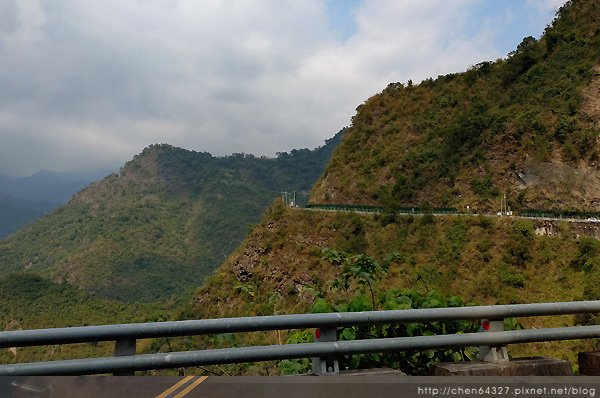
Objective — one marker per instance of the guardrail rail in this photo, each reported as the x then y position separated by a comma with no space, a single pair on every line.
492,340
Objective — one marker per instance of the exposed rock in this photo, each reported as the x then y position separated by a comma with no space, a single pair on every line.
244,265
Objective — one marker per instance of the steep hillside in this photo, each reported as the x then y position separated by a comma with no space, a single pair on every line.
527,125
285,266
484,259
162,224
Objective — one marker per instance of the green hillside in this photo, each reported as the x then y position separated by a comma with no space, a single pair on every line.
162,224
526,125
285,266
28,301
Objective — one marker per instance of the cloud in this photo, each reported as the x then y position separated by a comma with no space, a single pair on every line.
89,84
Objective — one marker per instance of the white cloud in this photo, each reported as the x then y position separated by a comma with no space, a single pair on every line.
96,81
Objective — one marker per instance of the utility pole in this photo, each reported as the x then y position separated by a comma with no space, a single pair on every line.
503,206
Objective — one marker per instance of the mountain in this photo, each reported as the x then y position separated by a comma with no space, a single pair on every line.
16,213
527,126
25,199
164,222
46,185
285,266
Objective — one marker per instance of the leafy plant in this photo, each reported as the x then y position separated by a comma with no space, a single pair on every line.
413,362
297,366
364,270
358,268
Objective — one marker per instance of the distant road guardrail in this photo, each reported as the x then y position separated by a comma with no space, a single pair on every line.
379,209
528,213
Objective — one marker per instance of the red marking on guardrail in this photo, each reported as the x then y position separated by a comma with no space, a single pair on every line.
485,325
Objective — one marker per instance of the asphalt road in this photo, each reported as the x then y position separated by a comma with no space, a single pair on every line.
200,386
298,387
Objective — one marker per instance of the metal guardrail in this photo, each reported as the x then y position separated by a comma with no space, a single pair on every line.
526,213
380,209
277,352
21,338
322,350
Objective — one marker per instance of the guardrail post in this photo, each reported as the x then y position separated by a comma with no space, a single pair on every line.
488,353
325,366
124,348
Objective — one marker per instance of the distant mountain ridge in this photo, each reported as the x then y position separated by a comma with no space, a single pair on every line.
527,125
25,199
16,213
160,225
47,185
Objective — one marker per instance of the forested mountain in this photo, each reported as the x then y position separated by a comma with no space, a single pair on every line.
160,225
526,126
29,301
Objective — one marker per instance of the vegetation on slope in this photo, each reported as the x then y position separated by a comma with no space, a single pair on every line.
28,301
527,125
462,139
162,224
482,259
281,268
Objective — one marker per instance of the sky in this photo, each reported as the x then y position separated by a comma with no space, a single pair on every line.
86,85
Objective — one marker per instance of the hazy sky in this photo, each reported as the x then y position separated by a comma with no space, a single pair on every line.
87,84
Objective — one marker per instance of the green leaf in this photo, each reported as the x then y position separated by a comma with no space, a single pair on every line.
321,306
454,301
348,334
456,357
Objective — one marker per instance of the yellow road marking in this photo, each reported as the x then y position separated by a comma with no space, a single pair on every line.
191,387
175,387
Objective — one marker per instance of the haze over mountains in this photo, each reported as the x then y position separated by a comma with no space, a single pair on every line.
25,199
47,185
